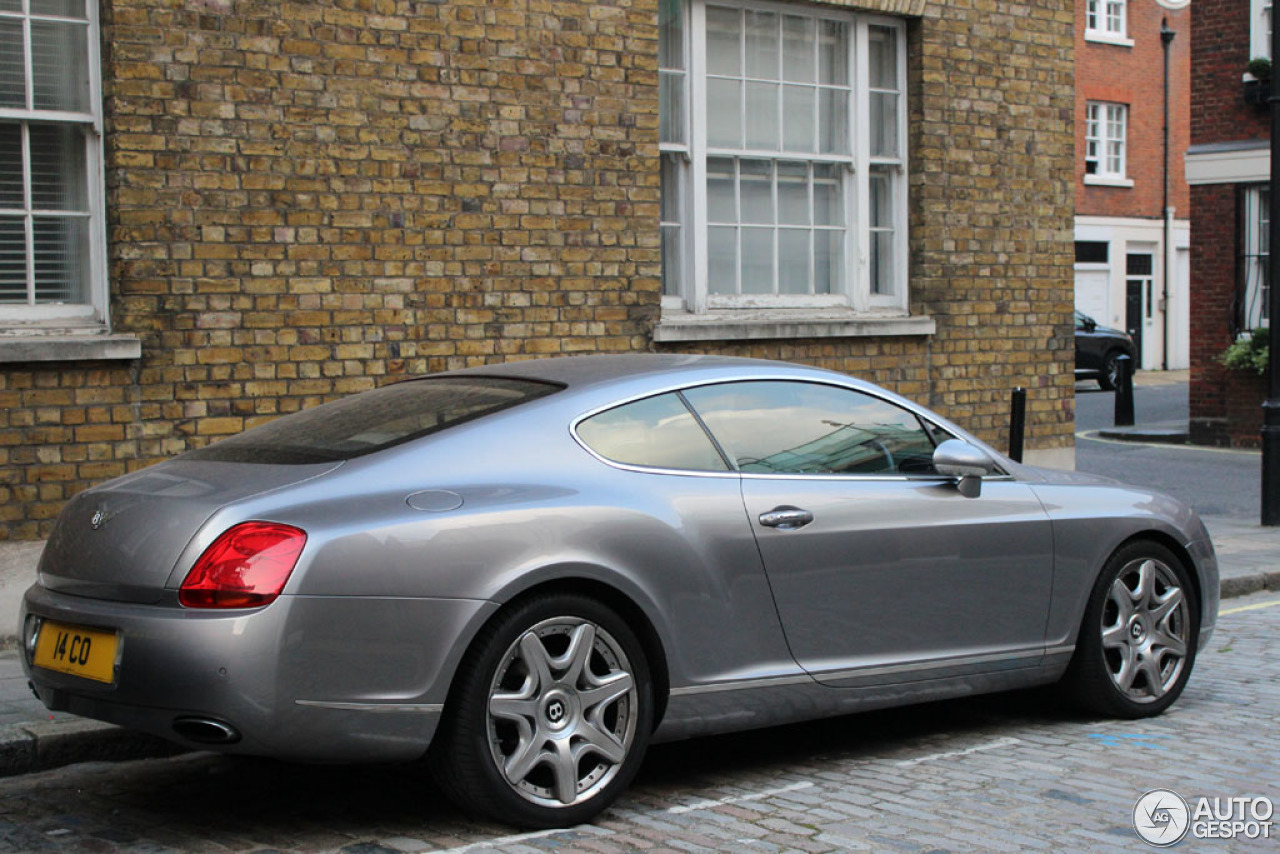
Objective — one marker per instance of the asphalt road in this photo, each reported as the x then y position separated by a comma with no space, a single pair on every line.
1216,482
1013,772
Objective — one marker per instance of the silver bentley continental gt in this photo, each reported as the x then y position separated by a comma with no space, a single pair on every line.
527,573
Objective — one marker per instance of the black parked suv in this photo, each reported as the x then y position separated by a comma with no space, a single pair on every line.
1097,348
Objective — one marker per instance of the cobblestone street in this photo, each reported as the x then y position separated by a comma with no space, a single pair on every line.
1002,773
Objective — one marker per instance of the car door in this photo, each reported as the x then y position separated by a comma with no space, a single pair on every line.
881,570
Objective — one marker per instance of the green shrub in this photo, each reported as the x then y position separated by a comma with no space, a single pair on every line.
1248,353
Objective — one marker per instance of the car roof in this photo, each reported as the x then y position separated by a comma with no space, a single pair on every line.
579,372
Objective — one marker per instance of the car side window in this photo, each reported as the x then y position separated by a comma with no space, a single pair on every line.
807,428
657,432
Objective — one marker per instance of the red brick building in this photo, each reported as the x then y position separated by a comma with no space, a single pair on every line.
1228,168
1132,228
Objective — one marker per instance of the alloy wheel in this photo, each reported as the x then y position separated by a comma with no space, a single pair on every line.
1145,626
562,712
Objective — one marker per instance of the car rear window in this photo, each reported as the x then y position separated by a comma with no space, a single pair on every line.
374,420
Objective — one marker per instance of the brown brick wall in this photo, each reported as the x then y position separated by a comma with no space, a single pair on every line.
307,199
1224,406
1135,76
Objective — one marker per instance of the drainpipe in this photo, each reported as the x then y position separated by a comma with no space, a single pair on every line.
1271,406
1166,40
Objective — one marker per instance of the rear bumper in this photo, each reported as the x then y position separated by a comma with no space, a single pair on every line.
306,678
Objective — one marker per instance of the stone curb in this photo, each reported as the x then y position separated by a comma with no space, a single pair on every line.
32,747
1138,434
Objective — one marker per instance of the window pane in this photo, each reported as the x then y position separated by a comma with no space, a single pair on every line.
60,8
798,50
721,204
671,106
793,193
658,432
757,191
762,45
884,125
883,56
724,113
670,34
376,420
13,92
793,261
882,263
13,260
724,41
722,260
833,121
762,116
802,428
833,53
61,258
60,72
757,260
798,118
828,262
11,166
10,5
828,201
58,177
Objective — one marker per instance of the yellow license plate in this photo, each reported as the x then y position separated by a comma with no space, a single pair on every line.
77,650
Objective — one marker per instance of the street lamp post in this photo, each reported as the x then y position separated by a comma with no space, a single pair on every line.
1271,407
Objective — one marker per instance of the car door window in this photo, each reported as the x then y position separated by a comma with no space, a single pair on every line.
657,432
808,428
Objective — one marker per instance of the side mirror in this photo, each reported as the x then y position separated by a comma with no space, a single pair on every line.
1090,324
958,459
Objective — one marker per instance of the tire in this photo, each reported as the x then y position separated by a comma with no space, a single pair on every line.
1109,377
1137,641
550,716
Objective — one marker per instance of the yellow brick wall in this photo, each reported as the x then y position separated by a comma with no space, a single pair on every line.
309,199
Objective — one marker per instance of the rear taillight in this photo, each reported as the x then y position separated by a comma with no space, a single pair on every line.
246,567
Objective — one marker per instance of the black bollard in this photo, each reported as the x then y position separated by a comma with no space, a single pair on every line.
1017,423
1124,392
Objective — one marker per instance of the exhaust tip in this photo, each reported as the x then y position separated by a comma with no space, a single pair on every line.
205,731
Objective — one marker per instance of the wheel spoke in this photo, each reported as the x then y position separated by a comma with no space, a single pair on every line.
1115,637
534,655
513,707
575,659
1123,598
1166,605
1128,669
1146,585
1167,643
527,756
565,766
1150,667
595,739
605,691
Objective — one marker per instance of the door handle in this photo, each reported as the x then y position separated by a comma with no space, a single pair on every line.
786,518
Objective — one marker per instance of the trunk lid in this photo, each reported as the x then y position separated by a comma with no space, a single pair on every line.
121,541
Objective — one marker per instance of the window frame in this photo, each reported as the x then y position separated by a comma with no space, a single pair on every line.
1255,257
1260,13
687,161
1099,138
937,433
91,315
1107,21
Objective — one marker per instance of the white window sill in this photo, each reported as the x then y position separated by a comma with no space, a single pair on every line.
757,324
1107,181
68,348
1103,37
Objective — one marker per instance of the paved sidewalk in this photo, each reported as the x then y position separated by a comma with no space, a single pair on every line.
33,738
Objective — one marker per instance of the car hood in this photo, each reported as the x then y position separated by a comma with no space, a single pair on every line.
122,540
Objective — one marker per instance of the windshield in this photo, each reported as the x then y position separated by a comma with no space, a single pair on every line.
373,421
